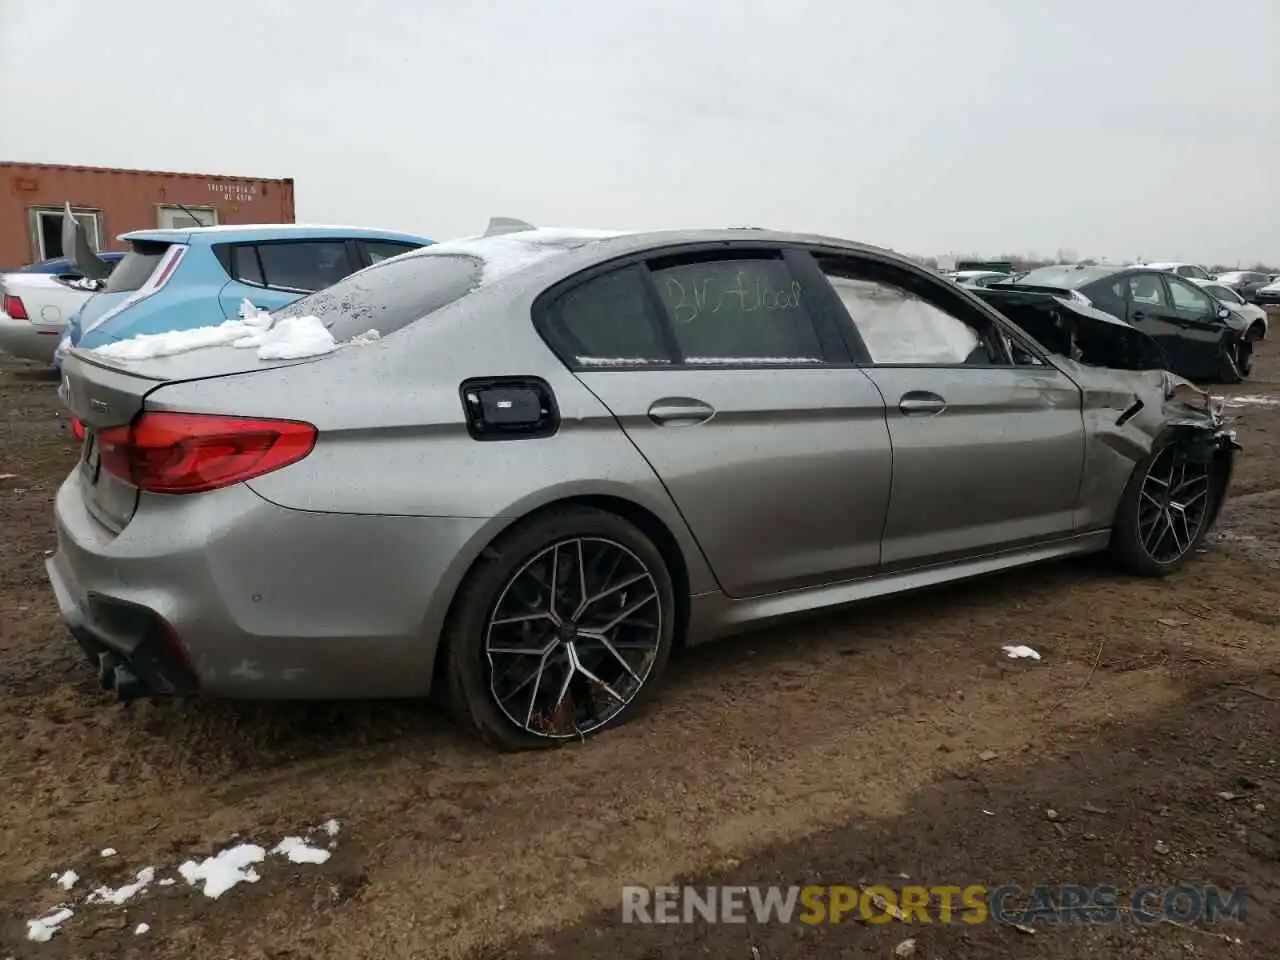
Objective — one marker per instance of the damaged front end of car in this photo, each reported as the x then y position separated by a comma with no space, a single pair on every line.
1131,403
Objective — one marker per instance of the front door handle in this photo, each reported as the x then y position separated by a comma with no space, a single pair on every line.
680,412
921,403
1138,315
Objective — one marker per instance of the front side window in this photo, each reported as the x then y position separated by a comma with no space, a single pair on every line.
1190,301
738,311
899,326
304,264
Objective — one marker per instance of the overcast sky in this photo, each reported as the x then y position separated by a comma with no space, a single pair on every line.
1118,128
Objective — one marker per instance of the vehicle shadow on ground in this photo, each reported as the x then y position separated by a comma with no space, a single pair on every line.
262,735
1190,796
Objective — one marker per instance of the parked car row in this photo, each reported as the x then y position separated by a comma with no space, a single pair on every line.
569,452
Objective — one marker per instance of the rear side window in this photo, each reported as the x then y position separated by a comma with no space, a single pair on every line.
390,295
729,312
608,321
136,267
305,265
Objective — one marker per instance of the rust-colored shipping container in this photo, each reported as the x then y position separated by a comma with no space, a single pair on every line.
110,202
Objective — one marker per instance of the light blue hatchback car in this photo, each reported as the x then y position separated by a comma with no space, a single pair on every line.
197,277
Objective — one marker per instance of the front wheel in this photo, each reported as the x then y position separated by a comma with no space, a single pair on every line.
1165,511
1237,361
561,630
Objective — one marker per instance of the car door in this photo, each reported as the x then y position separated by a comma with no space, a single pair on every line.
1201,326
736,388
273,274
988,453
1150,310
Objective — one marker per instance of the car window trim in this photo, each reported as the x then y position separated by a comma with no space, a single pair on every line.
946,291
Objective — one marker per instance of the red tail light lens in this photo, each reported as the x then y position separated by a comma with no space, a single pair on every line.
195,452
14,307
77,427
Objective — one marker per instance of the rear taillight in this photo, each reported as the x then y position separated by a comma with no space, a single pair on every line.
195,452
14,307
77,427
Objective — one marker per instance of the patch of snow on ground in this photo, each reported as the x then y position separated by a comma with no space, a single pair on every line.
127,892
1020,653
109,851
166,882
140,929
43,929
297,850
331,827
67,880
225,870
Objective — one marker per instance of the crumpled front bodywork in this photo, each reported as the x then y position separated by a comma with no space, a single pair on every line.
1126,414
1130,402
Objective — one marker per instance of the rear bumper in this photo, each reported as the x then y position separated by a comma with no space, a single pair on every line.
229,595
23,339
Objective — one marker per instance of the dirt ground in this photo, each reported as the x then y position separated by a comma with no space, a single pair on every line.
891,740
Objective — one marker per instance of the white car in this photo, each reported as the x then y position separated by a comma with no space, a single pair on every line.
1191,271
35,309
1237,304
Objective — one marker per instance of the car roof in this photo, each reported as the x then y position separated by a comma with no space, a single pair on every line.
1169,265
543,255
241,233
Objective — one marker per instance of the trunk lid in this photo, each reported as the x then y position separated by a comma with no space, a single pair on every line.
106,393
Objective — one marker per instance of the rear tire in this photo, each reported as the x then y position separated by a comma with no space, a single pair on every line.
1166,510
518,673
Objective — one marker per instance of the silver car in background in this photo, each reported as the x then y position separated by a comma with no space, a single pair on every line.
569,452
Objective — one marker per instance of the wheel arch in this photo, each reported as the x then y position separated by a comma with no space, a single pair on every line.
646,520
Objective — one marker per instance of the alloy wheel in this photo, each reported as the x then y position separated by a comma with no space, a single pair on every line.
1173,504
573,637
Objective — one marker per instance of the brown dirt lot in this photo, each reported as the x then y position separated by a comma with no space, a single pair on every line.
847,750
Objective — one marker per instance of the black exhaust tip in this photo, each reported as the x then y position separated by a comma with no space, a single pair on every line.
127,684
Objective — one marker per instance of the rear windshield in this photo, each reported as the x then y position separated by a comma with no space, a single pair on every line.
1066,277
135,267
390,295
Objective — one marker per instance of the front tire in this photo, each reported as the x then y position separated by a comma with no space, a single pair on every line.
562,629
1237,361
1165,512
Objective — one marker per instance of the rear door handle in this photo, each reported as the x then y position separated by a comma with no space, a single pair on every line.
680,412
921,403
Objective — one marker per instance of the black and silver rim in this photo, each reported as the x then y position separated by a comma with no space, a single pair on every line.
573,637
1174,502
